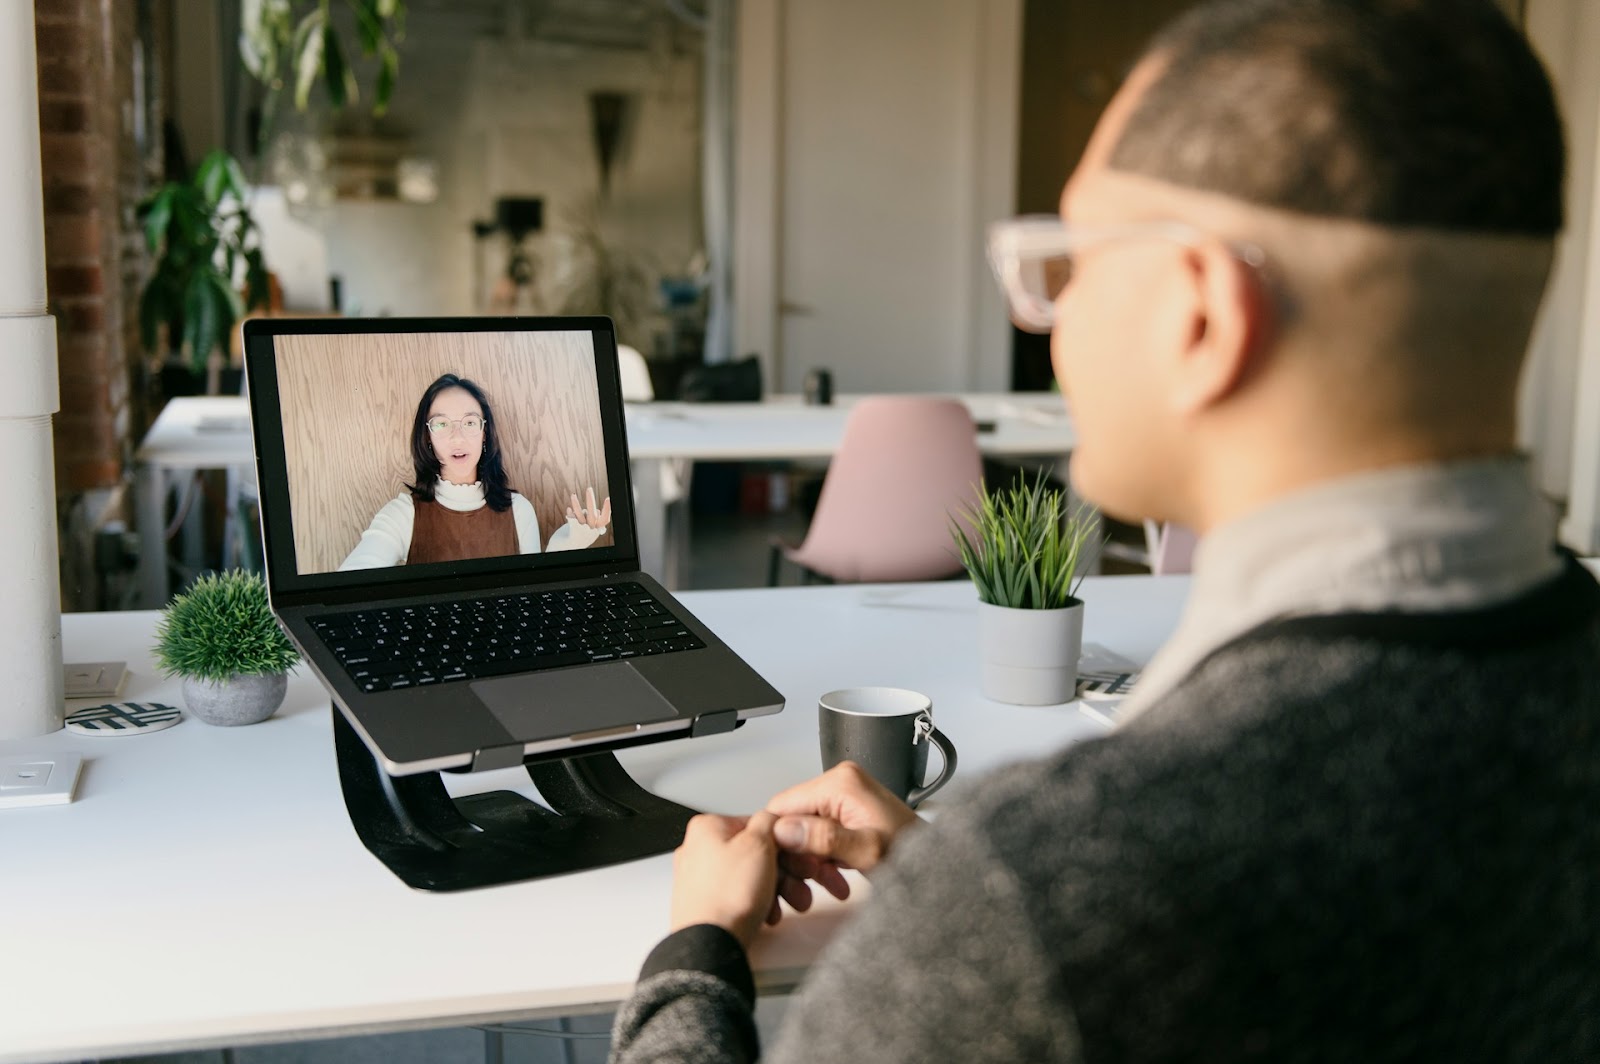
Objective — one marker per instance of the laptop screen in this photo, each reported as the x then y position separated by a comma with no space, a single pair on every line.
404,450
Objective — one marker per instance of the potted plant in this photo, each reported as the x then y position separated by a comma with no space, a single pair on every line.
200,230
1026,551
222,638
204,242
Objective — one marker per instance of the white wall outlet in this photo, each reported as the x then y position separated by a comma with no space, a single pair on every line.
38,779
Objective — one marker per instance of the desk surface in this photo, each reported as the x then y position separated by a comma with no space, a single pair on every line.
214,431
200,432
782,427
206,888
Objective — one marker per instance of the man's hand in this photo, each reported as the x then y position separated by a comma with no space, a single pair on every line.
842,819
726,873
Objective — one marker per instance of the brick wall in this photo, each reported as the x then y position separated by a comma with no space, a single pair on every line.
93,175
100,152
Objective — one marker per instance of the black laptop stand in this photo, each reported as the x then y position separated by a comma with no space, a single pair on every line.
596,816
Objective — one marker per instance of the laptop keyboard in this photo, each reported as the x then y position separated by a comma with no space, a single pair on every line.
440,642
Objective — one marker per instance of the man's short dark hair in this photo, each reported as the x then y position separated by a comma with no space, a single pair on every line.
1431,113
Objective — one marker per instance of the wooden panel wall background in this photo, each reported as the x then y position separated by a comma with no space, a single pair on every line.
349,402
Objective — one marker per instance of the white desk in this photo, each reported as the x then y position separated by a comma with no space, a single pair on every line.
190,434
213,432
782,428
206,888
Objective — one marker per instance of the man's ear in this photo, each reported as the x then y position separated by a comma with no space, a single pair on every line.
1232,318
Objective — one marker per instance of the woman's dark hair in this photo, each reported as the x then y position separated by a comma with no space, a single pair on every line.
491,470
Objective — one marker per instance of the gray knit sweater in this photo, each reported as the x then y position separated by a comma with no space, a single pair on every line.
1348,838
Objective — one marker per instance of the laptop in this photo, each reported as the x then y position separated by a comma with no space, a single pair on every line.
450,541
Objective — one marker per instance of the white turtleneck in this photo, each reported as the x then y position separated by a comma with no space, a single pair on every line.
387,540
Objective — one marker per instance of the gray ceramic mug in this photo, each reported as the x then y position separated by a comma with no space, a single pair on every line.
887,731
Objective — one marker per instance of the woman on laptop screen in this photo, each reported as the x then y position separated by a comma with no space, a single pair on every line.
460,505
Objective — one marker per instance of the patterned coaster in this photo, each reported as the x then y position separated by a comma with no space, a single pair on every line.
123,718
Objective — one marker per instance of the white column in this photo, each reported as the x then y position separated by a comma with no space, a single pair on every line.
30,581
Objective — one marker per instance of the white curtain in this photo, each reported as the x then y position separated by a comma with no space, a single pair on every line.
1560,402
717,181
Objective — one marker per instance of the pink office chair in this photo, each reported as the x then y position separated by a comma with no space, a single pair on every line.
906,465
1171,547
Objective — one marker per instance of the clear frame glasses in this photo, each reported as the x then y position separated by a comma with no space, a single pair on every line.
471,425
1033,258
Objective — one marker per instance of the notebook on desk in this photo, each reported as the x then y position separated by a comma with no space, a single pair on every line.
449,540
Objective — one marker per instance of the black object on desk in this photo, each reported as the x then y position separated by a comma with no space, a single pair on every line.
725,382
595,815
819,388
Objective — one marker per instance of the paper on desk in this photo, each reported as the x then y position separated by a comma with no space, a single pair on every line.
1036,414
1105,678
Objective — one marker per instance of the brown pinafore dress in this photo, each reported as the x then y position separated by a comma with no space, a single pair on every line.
440,534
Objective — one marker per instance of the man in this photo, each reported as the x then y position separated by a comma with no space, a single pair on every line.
1351,816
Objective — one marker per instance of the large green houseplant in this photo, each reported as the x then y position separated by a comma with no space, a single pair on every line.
199,229
1027,550
205,244
221,637
296,43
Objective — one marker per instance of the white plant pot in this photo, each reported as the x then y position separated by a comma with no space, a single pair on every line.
1029,657
238,700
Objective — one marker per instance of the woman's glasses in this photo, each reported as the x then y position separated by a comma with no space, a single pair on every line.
471,425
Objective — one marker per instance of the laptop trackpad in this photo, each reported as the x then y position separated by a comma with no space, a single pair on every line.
554,705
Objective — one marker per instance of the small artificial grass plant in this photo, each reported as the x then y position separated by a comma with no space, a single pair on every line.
1024,547
222,627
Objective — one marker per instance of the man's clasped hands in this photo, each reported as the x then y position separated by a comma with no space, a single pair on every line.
731,871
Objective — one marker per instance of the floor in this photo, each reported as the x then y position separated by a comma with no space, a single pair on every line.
727,550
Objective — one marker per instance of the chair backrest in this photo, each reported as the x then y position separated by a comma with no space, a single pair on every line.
725,382
1172,550
635,374
906,466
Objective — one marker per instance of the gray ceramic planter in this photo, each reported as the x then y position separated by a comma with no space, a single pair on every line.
1029,657
237,700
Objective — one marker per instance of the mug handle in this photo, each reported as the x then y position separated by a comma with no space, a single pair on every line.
947,751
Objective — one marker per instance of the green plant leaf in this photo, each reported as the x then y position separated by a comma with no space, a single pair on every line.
199,320
255,279
258,41
341,80
369,24
306,55
211,177
210,308
226,304
157,213
388,74
237,185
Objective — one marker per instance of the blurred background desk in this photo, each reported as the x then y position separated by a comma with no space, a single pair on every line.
213,432
190,435
782,428
206,889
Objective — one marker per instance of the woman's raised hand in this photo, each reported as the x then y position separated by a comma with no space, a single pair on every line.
592,516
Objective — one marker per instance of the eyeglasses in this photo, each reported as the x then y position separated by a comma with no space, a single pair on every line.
470,425
1033,258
